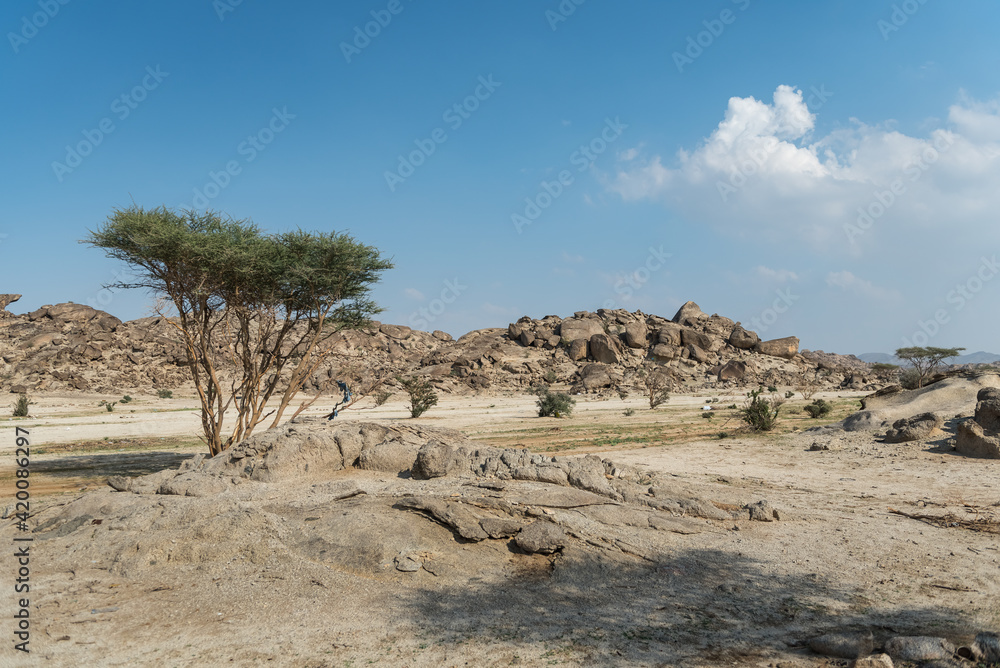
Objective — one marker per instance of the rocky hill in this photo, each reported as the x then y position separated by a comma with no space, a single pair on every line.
75,347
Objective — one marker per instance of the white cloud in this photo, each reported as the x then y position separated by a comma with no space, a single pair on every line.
847,281
414,294
762,172
776,275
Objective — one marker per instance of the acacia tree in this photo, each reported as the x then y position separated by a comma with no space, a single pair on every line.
254,311
925,360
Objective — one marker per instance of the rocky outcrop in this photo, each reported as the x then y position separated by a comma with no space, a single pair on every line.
5,301
787,347
914,428
980,436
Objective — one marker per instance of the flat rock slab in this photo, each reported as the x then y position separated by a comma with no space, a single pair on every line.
558,498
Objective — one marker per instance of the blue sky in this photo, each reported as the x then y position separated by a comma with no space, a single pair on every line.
571,156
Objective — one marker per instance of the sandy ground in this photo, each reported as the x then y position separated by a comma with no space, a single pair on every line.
840,558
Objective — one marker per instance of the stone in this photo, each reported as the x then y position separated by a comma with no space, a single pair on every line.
541,537
914,428
697,354
873,661
743,339
572,329
579,349
526,338
988,647
865,421
407,564
786,348
500,527
441,336
664,352
120,483
763,511
604,349
669,334
594,377
390,457
918,648
5,301
988,408
688,314
399,332
456,516
843,645
971,440
636,334
689,337
434,460
732,370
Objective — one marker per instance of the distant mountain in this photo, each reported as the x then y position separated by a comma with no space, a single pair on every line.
980,357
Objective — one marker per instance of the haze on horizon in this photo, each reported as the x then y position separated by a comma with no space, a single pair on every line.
828,170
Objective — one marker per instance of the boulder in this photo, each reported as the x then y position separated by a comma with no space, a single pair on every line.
664,352
844,645
434,460
697,354
688,314
572,329
988,408
604,349
526,338
636,334
441,336
786,348
874,661
541,537
594,377
398,332
5,301
913,428
578,350
689,337
743,339
971,440
669,334
732,370
918,648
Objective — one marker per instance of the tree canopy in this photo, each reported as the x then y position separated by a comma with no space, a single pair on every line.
267,303
925,360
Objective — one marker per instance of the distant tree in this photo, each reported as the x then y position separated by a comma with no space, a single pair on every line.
422,394
266,304
925,360
658,382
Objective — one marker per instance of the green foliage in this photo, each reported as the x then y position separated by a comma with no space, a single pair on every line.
629,412
165,394
723,434
925,360
268,302
550,376
772,388
126,399
658,382
818,408
21,406
382,396
909,379
883,366
759,412
422,395
789,394
555,404
110,406
731,406
708,415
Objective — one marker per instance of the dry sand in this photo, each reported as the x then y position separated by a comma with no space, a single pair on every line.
735,593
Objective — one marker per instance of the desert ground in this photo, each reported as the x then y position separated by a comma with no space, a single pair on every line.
869,537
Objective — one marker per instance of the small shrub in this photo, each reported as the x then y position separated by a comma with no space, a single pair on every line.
708,415
422,395
21,406
382,396
555,404
623,394
723,434
550,376
760,413
125,399
658,382
629,412
110,406
731,406
910,379
165,394
789,394
772,388
883,366
818,408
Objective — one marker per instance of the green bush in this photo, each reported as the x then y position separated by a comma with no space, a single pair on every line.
772,388
708,415
555,404
21,406
760,413
818,408
789,394
629,412
165,394
422,395
382,396
125,399
550,376
909,379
